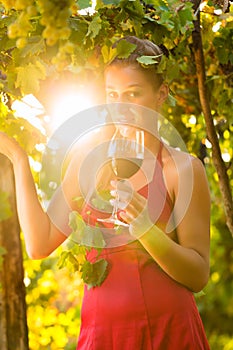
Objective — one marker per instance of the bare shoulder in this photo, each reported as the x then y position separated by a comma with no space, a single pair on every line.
181,168
187,184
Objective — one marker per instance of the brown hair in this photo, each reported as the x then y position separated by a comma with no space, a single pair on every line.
144,47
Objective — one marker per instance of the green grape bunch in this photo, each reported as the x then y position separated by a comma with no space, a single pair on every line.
21,27
54,17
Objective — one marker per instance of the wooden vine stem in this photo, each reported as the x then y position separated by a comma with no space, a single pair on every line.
13,322
224,183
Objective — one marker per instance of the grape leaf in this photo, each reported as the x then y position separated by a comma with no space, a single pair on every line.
93,237
29,76
124,49
83,4
148,60
111,2
83,234
93,274
102,201
68,259
34,47
94,27
87,236
108,53
76,223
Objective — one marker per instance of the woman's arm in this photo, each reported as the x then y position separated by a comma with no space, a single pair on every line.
41,236
45,231
187,261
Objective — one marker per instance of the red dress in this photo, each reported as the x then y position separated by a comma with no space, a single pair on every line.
138,306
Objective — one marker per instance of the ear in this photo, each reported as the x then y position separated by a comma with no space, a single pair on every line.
162,94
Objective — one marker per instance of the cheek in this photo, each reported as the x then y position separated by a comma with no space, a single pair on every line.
154,99
150,101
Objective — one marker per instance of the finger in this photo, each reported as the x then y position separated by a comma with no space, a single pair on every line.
137,204
113,183
126,217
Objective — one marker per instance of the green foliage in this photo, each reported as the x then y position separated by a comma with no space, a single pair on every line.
83,4
83,237
46,37
68,259
147,60
44,41
53,304
94,274
84,234
124,49
28,77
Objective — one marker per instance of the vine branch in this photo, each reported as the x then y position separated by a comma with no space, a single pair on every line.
224,183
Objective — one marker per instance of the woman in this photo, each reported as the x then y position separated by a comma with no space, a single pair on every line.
146,301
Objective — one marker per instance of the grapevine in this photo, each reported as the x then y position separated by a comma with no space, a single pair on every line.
21,27
53,17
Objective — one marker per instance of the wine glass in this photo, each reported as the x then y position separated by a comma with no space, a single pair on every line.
125,154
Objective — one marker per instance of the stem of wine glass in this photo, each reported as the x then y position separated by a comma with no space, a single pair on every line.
115,206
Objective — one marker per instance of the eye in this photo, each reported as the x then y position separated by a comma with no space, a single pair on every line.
112,95
132,94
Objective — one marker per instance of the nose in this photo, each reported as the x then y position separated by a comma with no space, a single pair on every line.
120,112
120,102
123,108
123,98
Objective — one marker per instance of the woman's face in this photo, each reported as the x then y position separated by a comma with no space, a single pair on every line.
128,84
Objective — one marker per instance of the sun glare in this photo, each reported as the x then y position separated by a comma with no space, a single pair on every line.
62,108
226,156
216,27
67,106
29,108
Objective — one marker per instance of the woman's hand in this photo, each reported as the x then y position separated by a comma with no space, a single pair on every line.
135,210
10,147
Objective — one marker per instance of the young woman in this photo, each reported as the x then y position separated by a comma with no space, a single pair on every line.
146,301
